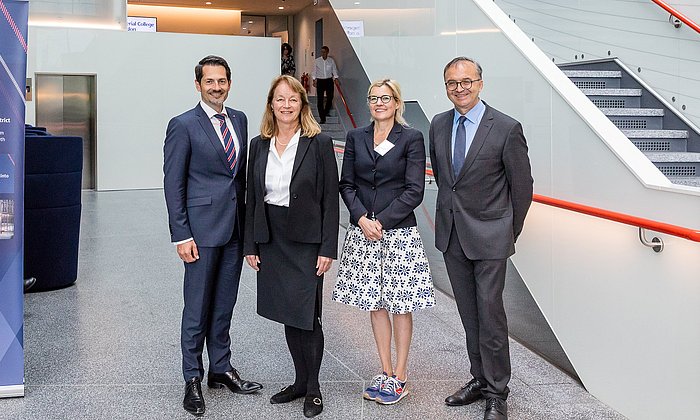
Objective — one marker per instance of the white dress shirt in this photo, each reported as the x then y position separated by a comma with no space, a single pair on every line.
217,128
324,69
278,173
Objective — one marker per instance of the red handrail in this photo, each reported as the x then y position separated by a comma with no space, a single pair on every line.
674,230
342,98
683,18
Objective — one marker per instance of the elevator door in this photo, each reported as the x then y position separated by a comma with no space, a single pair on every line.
65,105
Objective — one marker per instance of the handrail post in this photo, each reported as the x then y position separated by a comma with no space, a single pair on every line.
683,18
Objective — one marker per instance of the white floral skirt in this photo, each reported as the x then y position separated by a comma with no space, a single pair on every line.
392,273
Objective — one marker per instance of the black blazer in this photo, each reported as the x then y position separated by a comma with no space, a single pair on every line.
390,186
313,196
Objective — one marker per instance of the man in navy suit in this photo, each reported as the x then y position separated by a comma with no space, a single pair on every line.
205,167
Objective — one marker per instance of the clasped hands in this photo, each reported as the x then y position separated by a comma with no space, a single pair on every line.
323,264
372,229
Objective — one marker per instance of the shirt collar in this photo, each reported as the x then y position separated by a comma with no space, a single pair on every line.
211,111
472,115
292,142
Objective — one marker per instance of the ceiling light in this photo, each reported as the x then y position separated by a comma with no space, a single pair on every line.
357,2
250,21
244,28
208,3
281,7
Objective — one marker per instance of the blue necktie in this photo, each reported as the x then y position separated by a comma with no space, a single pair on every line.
460,150
229,146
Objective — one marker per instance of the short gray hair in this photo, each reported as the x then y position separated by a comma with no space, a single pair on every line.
462,58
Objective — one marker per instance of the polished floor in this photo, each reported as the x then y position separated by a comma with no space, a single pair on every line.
108,347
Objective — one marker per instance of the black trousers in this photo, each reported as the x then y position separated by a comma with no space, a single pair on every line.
324,87
478,289
306,348
210,292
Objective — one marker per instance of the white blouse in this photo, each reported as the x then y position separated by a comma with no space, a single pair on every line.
278,173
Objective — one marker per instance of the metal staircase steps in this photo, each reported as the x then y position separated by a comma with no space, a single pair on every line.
638,113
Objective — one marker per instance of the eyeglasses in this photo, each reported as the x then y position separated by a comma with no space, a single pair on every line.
385,99
464,84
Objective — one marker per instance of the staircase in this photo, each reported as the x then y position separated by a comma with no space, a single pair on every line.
668,139
332,127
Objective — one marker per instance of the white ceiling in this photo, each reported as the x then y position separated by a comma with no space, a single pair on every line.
250,7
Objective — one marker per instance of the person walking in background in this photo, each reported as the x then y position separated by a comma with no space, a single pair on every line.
482,170
383,267
288,66
204,184
291,234
325,72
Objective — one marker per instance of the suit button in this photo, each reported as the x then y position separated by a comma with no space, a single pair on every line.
294,196
374,169
373,187
454,188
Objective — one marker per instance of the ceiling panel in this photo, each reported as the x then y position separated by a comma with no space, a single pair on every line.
251,7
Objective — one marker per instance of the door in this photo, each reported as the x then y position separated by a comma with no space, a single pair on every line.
66,106
319,37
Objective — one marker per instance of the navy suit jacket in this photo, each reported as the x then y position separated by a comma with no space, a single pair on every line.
390,186
488,199
205,200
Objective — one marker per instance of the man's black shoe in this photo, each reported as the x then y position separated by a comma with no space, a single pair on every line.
313,405
194,401
28,283
233,382
467,394
287,394
496,409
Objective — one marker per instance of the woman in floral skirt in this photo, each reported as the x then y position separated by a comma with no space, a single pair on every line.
383,267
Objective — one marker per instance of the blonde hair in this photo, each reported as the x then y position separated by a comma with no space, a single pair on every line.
309,126
395,88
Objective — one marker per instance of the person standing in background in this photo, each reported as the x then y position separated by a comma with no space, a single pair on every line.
325,72
204,183
482,170
288,66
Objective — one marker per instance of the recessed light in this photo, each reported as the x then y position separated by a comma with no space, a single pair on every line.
357,2
250,21
208,3
281,7
244,28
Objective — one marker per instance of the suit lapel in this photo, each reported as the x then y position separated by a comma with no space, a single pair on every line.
261,168
302,147
368,140
479,138
394,136
446,126
208,128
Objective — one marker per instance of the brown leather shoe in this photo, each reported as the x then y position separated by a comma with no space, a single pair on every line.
232,381
467,394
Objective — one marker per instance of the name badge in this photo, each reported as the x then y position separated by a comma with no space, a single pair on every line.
384,147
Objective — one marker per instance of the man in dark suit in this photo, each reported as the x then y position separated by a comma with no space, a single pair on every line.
480,163
205,167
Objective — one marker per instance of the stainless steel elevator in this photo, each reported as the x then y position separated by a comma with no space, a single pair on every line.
66,105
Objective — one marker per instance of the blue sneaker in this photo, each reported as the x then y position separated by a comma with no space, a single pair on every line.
392,391
372,391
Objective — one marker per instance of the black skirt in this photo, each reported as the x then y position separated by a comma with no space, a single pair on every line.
288,287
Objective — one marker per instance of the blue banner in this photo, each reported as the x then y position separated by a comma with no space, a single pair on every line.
13,69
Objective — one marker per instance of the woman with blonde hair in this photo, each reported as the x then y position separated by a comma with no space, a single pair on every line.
383,267
291,231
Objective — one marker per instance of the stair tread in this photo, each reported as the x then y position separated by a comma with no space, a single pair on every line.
673,157
633,112
689,181
593,73
612,92
656,134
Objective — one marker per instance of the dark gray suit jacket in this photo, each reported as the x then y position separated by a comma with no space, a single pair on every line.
488,200
204,199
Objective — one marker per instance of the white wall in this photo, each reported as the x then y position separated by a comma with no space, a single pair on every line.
637,32
626,317
144,79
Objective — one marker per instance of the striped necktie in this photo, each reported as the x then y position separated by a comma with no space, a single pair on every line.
229,146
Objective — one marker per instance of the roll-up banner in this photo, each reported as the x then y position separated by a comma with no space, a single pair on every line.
13,68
